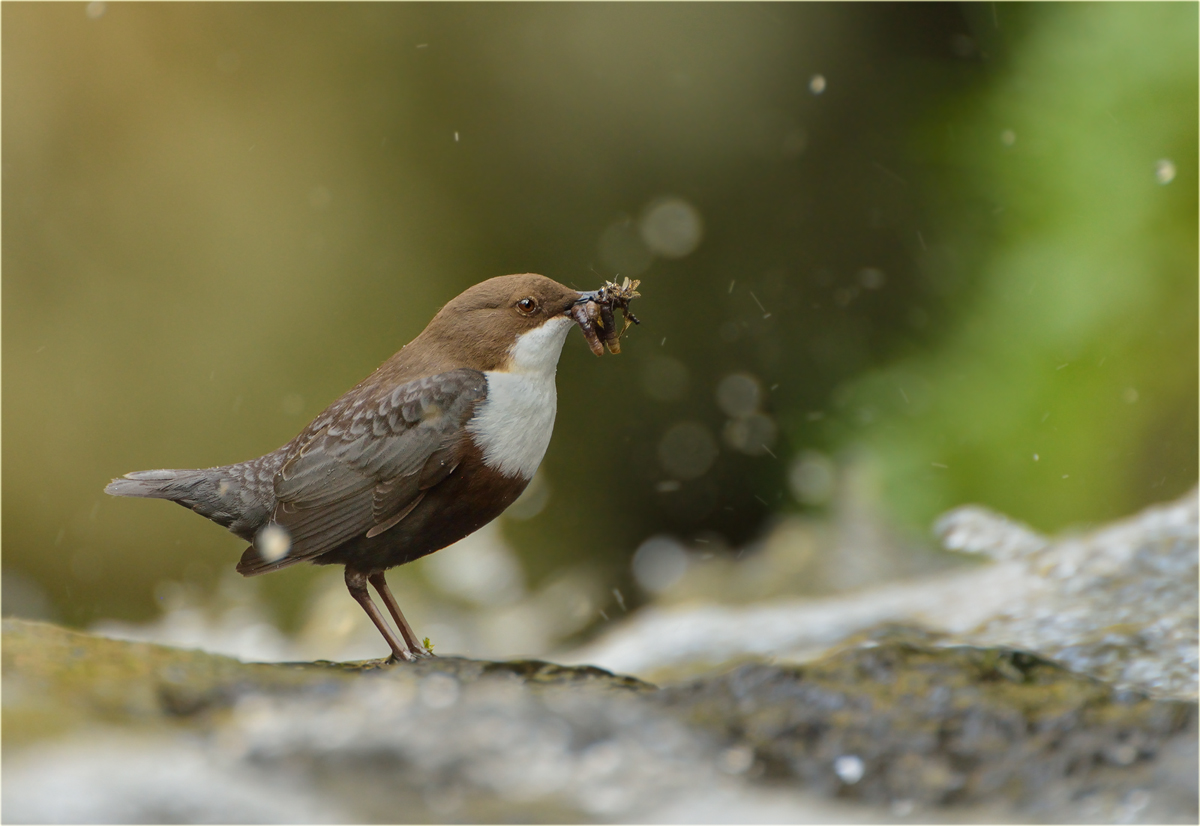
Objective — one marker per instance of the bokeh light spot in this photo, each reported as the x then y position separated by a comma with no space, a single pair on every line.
659,563
811,478
739,394
753,435
687,450
671,227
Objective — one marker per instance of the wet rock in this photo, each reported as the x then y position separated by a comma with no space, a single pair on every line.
110,731
910,724
888,729
1056,683
1119,603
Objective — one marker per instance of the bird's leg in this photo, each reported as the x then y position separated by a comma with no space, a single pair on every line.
380,583
357,585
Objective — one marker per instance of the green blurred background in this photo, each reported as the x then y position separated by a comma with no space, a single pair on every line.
957,242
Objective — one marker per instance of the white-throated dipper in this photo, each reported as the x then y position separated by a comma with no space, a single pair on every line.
430,447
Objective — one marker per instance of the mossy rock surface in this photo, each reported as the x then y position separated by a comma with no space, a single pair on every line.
105,730
59,678
903,718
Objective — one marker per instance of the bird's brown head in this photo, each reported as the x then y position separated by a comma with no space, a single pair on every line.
484,323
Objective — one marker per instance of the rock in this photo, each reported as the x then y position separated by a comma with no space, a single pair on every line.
888,728
1119,603
905,723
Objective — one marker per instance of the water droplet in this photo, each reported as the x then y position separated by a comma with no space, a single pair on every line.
273,542
849,768
1164,171
817,84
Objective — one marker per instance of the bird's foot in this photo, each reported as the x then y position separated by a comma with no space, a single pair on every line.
410,655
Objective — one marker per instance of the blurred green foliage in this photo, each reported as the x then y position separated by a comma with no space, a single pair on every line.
1066,390
220,217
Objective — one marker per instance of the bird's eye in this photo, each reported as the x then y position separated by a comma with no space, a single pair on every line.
527,305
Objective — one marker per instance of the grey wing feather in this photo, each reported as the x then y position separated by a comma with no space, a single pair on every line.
361,466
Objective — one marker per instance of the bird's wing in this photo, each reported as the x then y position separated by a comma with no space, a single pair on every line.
362,468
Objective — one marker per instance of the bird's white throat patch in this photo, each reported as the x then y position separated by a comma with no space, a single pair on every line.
513,424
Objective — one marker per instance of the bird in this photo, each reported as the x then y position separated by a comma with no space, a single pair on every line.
433,445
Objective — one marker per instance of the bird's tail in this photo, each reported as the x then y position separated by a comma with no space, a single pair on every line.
220,494
159,484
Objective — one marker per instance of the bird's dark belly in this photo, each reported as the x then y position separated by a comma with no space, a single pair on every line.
461,504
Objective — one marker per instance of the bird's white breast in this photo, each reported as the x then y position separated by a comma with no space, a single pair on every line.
513,424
